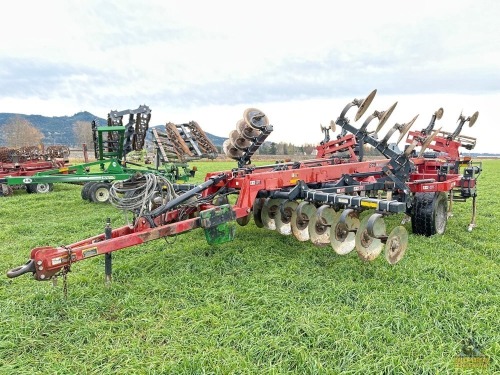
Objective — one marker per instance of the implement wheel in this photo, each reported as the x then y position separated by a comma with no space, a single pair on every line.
86,189
99,192
40,188
430,213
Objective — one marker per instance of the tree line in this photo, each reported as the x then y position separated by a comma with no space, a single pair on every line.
18,132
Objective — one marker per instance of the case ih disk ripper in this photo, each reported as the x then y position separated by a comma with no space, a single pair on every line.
338,199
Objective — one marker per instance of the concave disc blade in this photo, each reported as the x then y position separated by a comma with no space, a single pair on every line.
231,151
364,105
406,128
367,247
428,141
300,220
473,119
342,234
255,118
385,117
238,141
246,130
257,211
242,221
396,245
320,224
270,210
284,223
439,113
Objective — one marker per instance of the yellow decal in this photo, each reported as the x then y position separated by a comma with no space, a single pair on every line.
369,204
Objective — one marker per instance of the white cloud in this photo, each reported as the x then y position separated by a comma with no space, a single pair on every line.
209,60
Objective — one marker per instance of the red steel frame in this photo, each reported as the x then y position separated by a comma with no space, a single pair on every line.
49,261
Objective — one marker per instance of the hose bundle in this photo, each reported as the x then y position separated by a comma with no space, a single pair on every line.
139,194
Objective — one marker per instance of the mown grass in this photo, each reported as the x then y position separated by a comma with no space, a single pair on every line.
262,304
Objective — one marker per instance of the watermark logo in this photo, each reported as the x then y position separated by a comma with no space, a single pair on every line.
471,357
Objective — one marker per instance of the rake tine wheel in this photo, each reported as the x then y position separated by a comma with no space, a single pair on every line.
284,217
300,220
369,237
320,224
343,232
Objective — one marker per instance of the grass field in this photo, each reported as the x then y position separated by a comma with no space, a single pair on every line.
262,304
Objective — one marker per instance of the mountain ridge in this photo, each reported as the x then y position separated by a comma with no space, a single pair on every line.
59,129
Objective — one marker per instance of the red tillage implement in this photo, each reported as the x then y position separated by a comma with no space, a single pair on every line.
320,200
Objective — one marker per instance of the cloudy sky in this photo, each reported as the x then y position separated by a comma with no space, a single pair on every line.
299,62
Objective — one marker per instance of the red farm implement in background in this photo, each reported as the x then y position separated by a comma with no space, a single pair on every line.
28,161
338,199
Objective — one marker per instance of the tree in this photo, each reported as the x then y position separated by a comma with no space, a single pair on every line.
308,148
273,149
19,132
83,133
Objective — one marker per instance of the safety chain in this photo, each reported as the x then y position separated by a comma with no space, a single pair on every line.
64,272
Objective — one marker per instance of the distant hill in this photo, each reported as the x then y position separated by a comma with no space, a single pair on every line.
59,130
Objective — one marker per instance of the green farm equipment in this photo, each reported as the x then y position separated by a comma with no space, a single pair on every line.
112,143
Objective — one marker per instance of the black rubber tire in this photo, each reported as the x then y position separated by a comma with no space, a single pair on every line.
40,188
430,213
86,189
99,192
30,189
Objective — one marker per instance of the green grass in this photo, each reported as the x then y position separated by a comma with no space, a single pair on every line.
262,304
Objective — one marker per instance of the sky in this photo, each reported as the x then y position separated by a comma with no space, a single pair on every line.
299,62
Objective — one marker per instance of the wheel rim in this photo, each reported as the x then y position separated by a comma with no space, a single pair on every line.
42,188
102,195
441,216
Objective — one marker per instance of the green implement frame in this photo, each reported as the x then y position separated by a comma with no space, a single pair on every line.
111,165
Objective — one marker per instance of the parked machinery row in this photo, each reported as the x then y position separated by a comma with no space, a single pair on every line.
338,199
